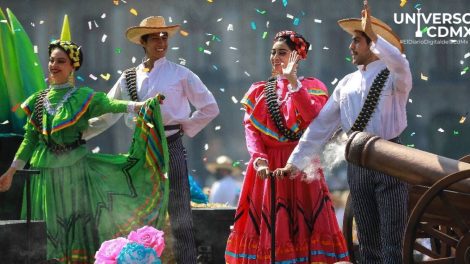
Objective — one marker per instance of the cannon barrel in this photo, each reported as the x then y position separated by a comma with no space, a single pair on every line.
410,165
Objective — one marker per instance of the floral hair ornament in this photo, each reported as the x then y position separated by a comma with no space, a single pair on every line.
142,246
301,45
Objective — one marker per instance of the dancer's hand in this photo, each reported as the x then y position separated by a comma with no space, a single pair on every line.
290,70
6,179
366,23
262,169
289,170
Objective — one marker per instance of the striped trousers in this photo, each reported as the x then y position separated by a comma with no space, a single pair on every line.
380,206
179,206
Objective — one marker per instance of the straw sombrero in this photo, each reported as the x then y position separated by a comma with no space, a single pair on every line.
149,25
223,162
380,28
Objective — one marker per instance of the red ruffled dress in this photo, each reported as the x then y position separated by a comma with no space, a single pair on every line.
306,227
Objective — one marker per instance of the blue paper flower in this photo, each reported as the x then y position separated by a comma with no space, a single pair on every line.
136,253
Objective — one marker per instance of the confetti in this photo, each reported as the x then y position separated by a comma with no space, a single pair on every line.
4,21
265,34
424,77
96,24
441,130
80,78
220,19
210,1
247,74
253,25
419,116
290,16
296,21
32,24
89,25
117,50
284,3
334,81
35,48
317,21
230,27
41,22
170,19
95,150
412,134
103,16
217,128
234,100
424,30
133,11
262,12
418,6
103,38
208,52
410,101
182,61
116,2
133,59
175,48
105,76
215,67
233,48
222,89
184,33
267,24
464,71
207,43
5,122
206,146
325,47
411,145
456,132
463,118
93,77
348,59
466,55
403,3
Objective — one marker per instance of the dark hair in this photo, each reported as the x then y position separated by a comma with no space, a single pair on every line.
145,37
368,40
294,41
69,48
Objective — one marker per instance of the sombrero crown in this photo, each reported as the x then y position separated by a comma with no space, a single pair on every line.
149,25
380,28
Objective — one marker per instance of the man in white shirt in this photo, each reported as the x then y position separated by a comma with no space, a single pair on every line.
227,188
379,200
181,87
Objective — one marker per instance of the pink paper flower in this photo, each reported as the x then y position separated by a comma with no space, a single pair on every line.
149,237
109,250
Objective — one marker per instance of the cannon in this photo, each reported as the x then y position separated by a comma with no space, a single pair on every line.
439,198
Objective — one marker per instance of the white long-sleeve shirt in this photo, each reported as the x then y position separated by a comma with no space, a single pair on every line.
180,86
389,118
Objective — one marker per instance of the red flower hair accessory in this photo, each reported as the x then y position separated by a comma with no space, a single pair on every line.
301,45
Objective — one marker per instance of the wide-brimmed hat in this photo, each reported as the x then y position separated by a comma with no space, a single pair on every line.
223,162
152,24
380,28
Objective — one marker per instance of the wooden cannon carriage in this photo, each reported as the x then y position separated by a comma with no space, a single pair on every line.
439,208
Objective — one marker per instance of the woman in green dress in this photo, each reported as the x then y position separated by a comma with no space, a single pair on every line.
86,198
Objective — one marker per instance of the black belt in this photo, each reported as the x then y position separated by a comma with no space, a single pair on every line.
61,149
175,136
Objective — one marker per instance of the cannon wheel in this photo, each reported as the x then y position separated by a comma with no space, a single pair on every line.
454,243
348,230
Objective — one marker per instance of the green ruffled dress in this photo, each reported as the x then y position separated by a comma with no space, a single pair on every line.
84,197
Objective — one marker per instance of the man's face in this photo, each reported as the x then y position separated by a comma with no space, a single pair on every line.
360,50
156,45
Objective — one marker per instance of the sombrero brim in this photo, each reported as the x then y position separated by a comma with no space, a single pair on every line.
351,25
135,33
213,167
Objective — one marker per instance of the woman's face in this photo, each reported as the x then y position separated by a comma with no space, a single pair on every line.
60,66
279,55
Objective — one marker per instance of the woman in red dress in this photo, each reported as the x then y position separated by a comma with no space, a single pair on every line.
277,112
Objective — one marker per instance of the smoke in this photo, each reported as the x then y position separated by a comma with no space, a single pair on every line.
333,153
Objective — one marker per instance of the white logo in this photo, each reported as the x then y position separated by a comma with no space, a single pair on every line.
436,25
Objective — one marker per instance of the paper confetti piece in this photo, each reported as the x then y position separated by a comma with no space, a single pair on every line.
217,128
133,11
206,146
80,78
32,24
234,100
418,5
35,49
265,34
334,81
175,48
103,38
466,55
230,27
133,59
253,25
412,134
93,77
284,3
117,50
296,21
410,101
170,19
247,74
208,52
103,16
455,132
424,30
262,12
116,2
96,24
210,1
184,33
348,59
424,77
419,116
222,89
411,145
290,16
215,67
403,3
233,48
95,150
220,19
4,21
105,76
441,130
41,22
89,25
317,21
463,118
182,61
465,70
5,122
267,24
